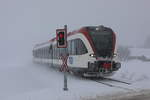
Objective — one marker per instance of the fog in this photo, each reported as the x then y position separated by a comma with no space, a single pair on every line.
24,23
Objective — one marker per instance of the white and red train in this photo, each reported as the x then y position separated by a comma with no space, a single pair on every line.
92,52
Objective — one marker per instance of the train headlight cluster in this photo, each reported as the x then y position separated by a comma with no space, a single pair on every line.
115,54
92,55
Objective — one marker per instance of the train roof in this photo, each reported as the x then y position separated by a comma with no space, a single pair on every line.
82,30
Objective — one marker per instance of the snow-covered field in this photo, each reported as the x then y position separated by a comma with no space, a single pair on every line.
29,81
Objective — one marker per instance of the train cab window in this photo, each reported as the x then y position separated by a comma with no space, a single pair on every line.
76,47
80,47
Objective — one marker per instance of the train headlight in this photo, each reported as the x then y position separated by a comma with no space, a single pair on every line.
115,54
92,55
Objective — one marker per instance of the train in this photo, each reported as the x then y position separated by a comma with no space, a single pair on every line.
92,52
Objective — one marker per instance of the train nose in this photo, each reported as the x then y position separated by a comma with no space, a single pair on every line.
104,65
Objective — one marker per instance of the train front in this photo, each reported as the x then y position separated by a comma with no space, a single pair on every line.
103,40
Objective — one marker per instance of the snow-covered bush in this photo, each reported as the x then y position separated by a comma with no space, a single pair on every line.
147,42
123,52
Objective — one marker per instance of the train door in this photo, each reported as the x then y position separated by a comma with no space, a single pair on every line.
81,52
78,52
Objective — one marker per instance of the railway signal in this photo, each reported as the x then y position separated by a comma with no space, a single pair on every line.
61,38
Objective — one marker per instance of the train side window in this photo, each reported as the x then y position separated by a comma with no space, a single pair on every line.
50,50
39,53
43,52
54,52
58,52
73,47
44,56
47,52
69,47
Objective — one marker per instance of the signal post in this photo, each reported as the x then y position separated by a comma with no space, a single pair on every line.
61,37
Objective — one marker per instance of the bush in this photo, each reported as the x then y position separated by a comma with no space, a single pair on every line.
123,52
147,42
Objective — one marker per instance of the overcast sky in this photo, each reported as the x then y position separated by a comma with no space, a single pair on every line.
24,23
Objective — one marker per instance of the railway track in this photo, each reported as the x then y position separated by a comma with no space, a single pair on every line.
115,80
110,82
113,83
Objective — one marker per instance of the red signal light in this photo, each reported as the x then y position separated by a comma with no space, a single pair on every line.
61,35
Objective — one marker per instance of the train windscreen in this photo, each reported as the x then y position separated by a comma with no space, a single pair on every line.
103,42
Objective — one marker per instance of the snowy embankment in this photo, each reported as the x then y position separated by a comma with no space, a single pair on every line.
29,81
136,72
40,82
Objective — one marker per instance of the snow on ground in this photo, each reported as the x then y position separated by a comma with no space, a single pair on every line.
40,82
29,81
140,52
136,72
